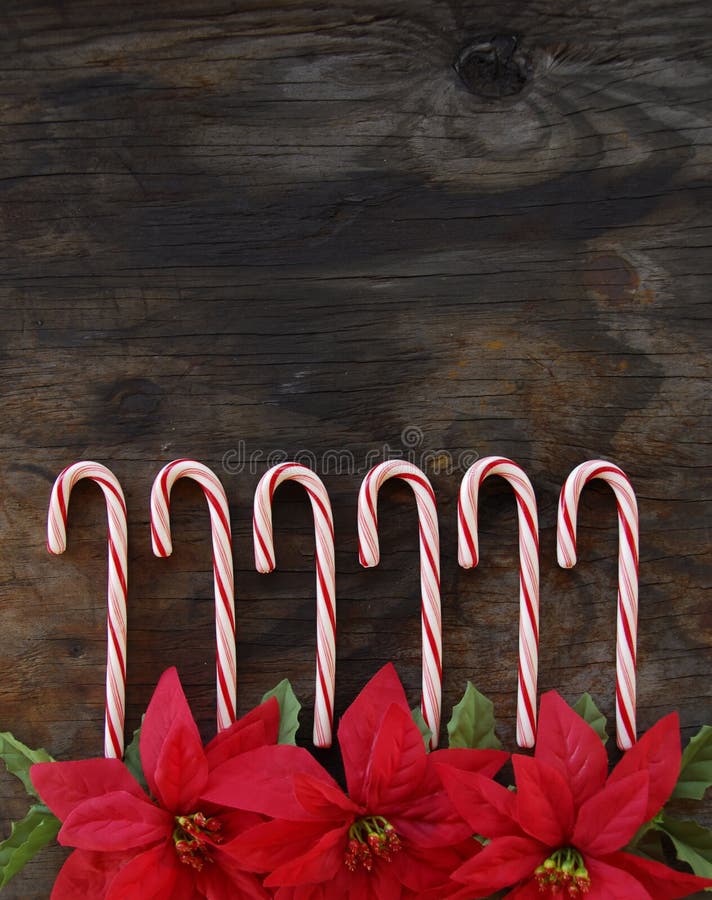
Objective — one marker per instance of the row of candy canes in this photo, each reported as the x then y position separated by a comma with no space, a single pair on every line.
369,556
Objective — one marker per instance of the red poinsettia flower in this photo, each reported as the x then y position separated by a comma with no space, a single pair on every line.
175,844
563,833
395,835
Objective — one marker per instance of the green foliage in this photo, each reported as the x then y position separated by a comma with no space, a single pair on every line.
472,723
18,758
289,708
422,726
132,758
692,843
590,713
695,767
27,838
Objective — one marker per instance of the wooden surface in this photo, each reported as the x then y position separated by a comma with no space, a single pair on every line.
464,228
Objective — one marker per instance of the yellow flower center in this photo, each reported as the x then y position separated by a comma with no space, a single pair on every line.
563,875
193,837
370,838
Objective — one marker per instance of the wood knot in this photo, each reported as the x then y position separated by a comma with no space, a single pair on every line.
494,67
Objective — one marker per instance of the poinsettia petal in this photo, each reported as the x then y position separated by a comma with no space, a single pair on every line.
172,752
265,847
64,785
530,890
430,821
658,753
86,874
567,743
262,781
607,821
545,806
151,874
424,870
661,882
225,879
487,807
323,800
320,863
396,763
502,863
611,883
116,821
259,727
487,762
360,724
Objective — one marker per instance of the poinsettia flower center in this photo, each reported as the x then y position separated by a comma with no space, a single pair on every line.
193,836
563,874
370,838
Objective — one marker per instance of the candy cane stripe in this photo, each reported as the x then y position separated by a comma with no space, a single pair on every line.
222,566
325,579
468,555
117,584
628,561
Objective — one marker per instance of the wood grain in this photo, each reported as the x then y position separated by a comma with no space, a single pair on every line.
235,229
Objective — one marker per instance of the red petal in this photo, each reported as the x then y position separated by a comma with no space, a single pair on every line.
658,753
396,763
660,882
265,847
502,863
259,727
87,874
611,883
487,762
64,785
567,743
528,891
171,750
150,874
117,821
545,807
225,879
320,863
262,781
487,807
360,723
609,820
322,800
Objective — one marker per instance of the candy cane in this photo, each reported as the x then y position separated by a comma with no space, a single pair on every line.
226,669
325,579
369,555
627,624
116,617
468,555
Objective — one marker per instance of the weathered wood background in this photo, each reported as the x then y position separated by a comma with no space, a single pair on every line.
466,228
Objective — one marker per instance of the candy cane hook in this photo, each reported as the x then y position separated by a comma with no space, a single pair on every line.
468,555
627,618
369,555
325,579
116,617
226,669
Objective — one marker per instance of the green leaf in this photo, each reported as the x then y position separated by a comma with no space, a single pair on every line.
27,838
289,708
132,758
590,713
695,767
422,725
692,842
472,722
18,758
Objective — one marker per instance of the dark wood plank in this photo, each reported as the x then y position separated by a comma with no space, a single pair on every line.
296,227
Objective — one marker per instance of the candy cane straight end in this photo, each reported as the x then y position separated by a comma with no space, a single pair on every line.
429,542
325,578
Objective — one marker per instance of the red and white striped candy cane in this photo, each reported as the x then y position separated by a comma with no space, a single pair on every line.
468,555
116,617
325,579
627,627
226,667
369,555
